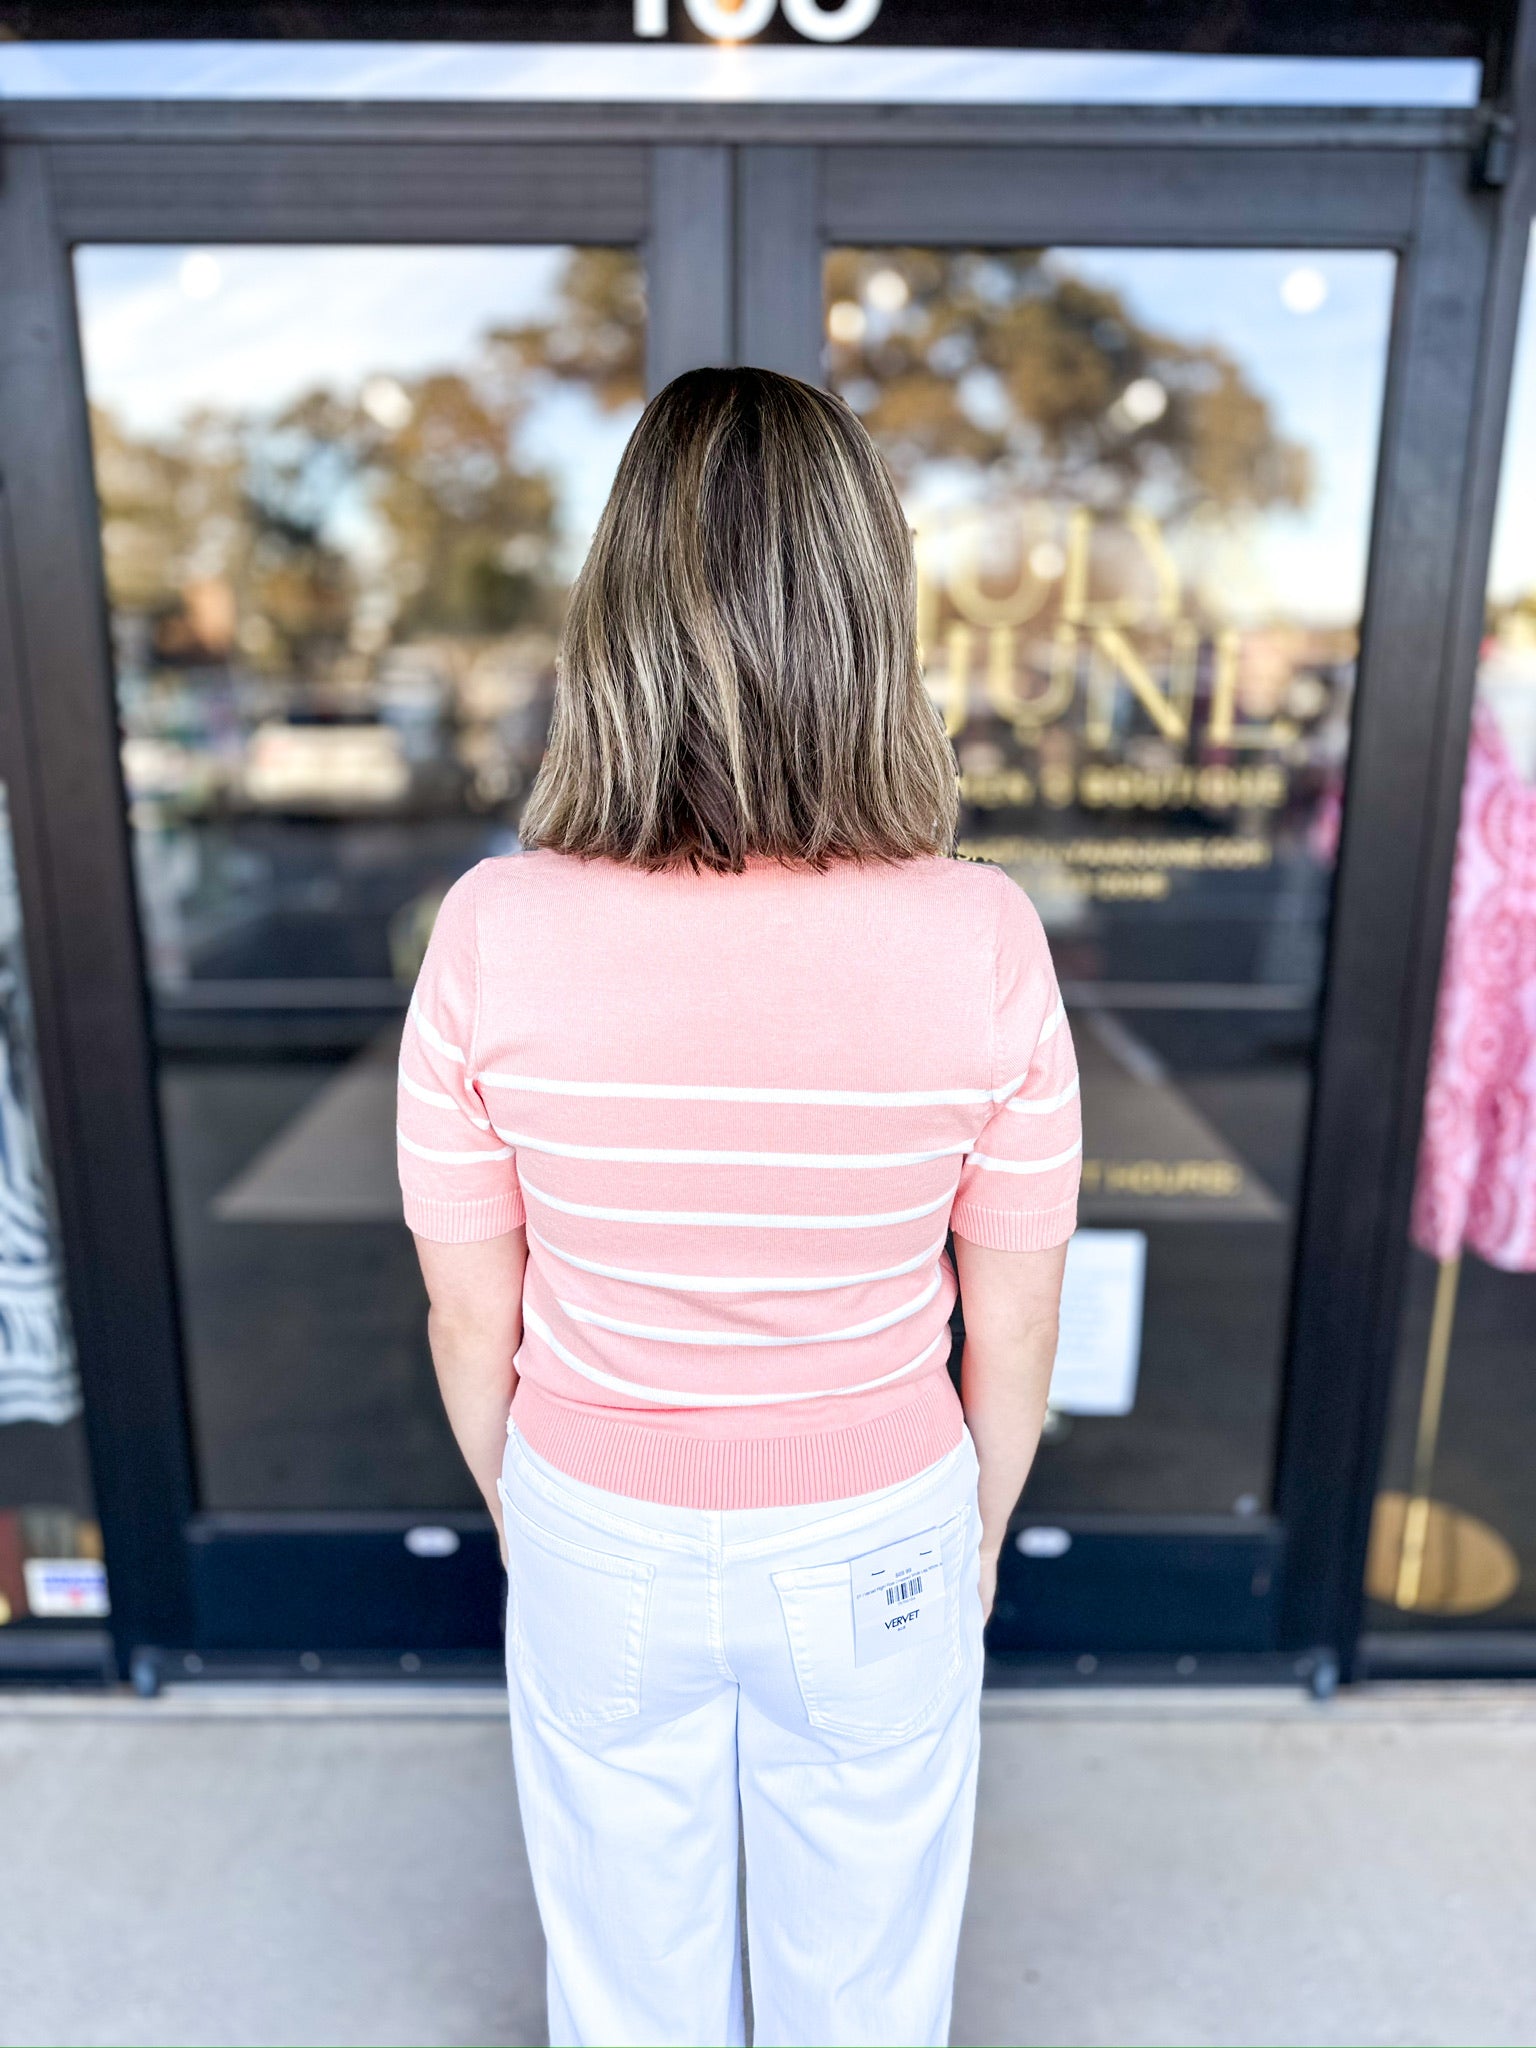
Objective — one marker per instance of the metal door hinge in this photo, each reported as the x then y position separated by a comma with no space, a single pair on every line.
1494,150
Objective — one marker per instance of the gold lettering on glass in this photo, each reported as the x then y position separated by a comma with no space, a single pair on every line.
1087,611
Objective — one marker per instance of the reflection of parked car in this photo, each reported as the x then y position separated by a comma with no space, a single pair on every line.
337,765
168,768
412,693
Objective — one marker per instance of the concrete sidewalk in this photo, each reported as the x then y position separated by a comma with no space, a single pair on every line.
337,1866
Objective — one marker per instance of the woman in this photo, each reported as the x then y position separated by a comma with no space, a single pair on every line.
690,1095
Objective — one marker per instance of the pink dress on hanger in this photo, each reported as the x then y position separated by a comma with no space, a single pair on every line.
1477,1156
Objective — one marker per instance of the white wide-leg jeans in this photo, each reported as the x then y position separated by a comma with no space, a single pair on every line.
677,1673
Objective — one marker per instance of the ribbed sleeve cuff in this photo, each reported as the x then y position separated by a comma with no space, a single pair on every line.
463,1222
1014,1230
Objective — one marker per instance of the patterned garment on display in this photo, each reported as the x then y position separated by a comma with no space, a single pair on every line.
37,1367
38,1381
1477,1157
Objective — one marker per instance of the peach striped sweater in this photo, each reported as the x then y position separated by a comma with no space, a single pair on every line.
738,1114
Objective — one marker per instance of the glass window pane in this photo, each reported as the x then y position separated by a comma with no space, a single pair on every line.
343,493
1453,1539
1141,485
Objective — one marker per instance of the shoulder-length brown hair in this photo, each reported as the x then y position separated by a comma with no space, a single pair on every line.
738,673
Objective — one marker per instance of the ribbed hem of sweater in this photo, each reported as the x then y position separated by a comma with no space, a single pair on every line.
1014,1230
663,1465
462,1222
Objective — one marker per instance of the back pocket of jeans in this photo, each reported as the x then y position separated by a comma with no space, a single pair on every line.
576,1622
891,1698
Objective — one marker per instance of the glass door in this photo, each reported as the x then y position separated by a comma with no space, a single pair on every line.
1141,482
311,434
326,427
1147,411
343,492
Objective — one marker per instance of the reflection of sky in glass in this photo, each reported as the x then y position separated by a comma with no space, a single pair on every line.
1512,573
1321,371
282,321
776,71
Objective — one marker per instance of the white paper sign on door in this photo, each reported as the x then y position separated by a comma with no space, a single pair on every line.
1100,1346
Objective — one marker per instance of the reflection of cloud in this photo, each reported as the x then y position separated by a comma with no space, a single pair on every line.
200,275
284,320
288,319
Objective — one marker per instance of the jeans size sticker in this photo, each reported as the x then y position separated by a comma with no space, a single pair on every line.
898,1596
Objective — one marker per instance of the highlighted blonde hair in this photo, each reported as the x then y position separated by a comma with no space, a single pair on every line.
738,675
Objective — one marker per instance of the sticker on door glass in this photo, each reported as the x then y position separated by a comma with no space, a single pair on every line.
898,1596
66,1588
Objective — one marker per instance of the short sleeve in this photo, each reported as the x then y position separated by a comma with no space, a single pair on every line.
1018,1186
458,1180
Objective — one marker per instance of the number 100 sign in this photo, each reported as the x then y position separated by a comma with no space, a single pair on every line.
724,23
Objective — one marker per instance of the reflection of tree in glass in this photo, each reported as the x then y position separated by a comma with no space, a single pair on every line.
598,337
1004,359
275,511
467,528
199,555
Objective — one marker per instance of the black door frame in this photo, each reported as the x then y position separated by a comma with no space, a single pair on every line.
750,195
1506,151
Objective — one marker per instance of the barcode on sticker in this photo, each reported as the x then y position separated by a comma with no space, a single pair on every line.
898,1596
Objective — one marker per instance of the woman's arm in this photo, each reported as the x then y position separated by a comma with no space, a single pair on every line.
1010,1302
474,1327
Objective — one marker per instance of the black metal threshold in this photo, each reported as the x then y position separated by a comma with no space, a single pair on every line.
1448,1653
86,1656
151,1668
57,1656
1317,1670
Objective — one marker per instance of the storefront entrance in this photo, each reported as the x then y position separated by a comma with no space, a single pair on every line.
317,415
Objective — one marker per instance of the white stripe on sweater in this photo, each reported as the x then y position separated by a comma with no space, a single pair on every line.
1044,1108
709,1283
667,1398
433,1036
439,1100
650,1155
453,1158
808,1098
986,1159
735,1339
751,1220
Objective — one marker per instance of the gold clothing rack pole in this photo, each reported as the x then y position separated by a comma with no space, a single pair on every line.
1410,1563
